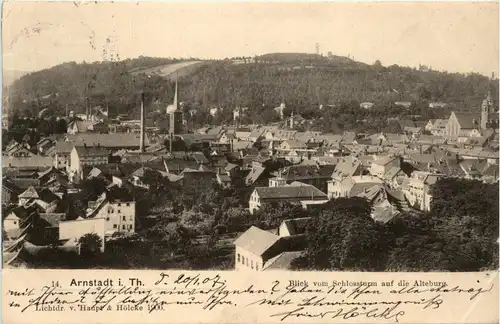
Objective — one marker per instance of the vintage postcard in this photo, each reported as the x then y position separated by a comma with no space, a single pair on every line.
247,162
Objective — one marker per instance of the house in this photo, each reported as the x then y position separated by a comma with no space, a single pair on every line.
10,192
404,123
366,105
79,126
348,138
315,175
217,161
177,165
18,218
44,199
19,150
437,127
351,186
224,180
196,179
417,189
112,141
404,104
346,167
143,176
294,226
290,193
386,203
45,228
280,110
214,111
62,154
256,135
82,156
119,215
437,105
48,175
44,145
34,162
289,145
231,169
257,176
381,166
73,230
258,250
242,135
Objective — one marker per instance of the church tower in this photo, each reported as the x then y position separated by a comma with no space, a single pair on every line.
487,107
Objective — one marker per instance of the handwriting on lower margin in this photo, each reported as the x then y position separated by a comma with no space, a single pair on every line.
389,313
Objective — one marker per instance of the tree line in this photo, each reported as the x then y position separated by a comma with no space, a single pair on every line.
339,85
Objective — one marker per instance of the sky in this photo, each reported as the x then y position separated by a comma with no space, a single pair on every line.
452,36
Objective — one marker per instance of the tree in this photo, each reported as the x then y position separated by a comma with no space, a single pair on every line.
90,244
271,215
345,237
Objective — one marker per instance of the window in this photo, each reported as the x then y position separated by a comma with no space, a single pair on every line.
130,227
243,260
109,211
124,218
128,204
251,262
123,226
107,219
119,204
238,258
119,211
256,266
115,226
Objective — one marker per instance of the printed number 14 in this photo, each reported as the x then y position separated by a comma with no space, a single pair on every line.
55,283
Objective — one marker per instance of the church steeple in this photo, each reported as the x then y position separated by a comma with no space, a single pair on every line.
487,105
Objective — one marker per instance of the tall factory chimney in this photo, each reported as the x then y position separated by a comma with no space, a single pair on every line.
143,121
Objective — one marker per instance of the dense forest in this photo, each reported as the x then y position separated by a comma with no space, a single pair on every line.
302,81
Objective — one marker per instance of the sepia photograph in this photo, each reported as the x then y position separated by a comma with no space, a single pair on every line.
346,137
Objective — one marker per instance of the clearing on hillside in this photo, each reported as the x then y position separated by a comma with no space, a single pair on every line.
170,71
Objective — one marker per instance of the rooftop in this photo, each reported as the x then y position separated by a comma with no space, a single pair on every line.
256,241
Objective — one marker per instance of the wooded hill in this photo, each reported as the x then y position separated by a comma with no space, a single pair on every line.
302,81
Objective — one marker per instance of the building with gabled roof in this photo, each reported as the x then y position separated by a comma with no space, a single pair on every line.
347,166
313,174
263,195
417,189
82,156
119,215
294,226
352,186
10,192
386,203
111,141
258,250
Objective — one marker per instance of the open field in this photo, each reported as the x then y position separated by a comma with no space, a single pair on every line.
171,71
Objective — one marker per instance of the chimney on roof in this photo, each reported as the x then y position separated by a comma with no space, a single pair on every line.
143,117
